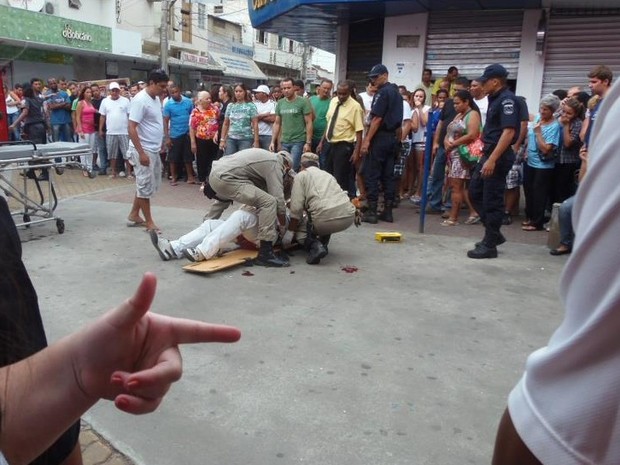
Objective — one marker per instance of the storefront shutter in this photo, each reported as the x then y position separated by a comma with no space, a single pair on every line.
472,40
576,44
365,50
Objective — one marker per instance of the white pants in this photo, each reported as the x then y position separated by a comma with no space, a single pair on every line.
213,235
87,160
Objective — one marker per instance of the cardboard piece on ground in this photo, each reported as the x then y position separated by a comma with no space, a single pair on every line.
227,260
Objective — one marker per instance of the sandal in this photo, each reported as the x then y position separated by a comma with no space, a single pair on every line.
531,227
473,220
526,223
449,222
174,183
156,231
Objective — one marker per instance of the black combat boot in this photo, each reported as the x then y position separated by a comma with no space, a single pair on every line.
386,215
370,215
316,251
266,257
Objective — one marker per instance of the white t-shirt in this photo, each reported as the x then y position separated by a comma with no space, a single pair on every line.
116,114
147,112
264,129
367,99
420,136
483,104
565,407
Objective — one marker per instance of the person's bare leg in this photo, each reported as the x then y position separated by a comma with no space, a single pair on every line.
512,198
134,214
173,172
472,210
457,197
128,168
509,447
75,457
145,206
191,179
113,165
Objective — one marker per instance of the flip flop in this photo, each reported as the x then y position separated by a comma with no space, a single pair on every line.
136,224
156,231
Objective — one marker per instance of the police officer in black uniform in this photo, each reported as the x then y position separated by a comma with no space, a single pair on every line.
381,144
488,180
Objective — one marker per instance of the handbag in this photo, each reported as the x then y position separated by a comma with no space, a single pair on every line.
472,152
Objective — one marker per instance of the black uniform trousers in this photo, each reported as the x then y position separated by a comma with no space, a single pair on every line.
379,166
487,195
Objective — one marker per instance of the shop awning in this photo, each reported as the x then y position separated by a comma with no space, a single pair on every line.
315,22
192,65
238,66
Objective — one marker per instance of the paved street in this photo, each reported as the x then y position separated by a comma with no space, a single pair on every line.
408,360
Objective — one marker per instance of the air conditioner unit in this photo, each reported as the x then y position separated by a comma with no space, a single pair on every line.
51,8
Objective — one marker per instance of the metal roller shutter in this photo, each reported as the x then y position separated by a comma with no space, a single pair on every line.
575,45
472,40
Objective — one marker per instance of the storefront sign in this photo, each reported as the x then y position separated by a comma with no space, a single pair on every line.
38,28
258,4
198,59
70,34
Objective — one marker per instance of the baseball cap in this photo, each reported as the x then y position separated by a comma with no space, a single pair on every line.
377,70
114,85
262,88
493,71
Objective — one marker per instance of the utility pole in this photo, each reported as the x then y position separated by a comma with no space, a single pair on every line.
164,43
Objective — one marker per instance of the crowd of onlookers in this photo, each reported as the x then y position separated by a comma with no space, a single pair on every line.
202,126
551,148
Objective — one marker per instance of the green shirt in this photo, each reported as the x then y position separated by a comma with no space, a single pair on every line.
293,124
240,117
320,111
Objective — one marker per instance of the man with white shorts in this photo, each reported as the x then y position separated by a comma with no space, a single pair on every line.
114,112
145,135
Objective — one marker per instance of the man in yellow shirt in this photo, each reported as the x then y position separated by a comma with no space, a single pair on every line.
345,125
453,73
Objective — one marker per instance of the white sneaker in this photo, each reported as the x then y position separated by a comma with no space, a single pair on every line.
193,255
122,174
163,247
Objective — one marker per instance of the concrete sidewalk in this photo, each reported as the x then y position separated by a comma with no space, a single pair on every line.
409,360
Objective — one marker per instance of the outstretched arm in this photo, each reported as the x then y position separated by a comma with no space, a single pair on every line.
41,396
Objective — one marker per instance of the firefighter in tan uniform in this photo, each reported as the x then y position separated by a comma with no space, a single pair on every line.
253,177
327,206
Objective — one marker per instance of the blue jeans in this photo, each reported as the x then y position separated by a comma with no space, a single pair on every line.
295,149
15,133
234,145
102,154
567,235
437,178
379,167
62,132
265,141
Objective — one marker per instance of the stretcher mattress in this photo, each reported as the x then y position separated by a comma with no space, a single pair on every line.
27,152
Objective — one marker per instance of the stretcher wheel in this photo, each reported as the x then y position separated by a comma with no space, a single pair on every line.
26,219
60,226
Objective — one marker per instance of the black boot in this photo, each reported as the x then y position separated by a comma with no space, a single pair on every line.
386,215
316,251
266,257
370,215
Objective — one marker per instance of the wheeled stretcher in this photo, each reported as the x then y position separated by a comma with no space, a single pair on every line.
25,157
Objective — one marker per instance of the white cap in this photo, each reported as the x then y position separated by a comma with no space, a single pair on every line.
114,85
262,88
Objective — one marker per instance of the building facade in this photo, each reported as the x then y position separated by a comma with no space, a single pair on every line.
545,44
